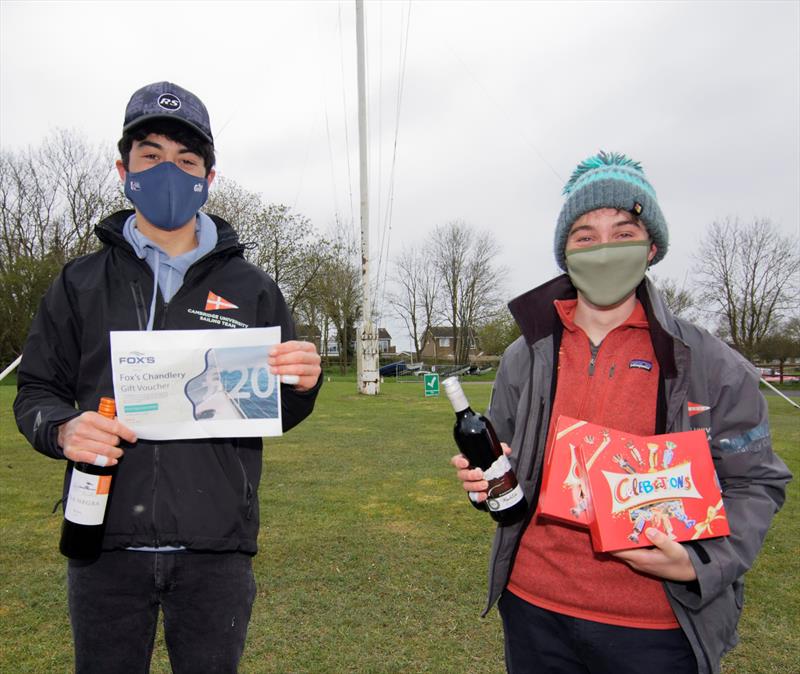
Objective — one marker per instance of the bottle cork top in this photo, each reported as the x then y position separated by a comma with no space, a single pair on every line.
107,407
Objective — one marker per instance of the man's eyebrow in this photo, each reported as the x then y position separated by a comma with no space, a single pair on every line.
158,146
150,143
628,221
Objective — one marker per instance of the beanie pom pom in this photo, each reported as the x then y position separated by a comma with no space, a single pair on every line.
598,161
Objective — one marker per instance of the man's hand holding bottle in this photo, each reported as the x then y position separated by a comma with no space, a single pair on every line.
472,478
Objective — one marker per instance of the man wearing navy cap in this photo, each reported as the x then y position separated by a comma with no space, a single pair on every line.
182,522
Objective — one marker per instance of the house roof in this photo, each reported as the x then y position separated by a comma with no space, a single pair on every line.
441,331
383,333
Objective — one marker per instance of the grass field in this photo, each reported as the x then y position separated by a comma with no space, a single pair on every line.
370,558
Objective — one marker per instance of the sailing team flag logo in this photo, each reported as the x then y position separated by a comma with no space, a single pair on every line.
697,408
216,303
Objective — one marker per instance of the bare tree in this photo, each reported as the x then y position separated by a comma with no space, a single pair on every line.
51,198
415,295
471,282
749,276
679,300
284,244
337,289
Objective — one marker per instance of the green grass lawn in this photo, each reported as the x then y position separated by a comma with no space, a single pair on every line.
370,558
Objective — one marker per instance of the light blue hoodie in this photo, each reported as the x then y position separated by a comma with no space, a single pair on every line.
168,272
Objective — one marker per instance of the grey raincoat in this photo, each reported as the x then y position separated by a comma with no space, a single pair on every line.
696,368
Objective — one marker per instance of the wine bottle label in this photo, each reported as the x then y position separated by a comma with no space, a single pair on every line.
86,501
503,490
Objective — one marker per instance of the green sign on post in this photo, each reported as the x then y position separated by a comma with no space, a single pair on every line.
431,384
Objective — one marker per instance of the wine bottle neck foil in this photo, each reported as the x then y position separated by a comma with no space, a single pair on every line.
452,387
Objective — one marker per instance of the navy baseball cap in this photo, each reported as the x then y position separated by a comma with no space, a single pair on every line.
166,100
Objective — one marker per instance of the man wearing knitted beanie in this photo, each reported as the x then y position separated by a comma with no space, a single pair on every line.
598,343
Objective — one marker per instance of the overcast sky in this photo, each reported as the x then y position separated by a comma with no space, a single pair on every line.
500,100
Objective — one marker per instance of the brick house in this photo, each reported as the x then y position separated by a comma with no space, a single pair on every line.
438,343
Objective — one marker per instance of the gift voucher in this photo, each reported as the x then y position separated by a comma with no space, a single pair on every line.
178,384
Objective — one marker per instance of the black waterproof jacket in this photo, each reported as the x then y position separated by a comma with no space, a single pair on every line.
200,494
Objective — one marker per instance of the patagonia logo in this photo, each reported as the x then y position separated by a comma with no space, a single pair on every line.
639,364
697,408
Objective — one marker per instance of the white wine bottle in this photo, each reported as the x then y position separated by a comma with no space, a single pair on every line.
478,441
87,501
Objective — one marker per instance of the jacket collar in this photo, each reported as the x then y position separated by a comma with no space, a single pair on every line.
537,318
109,231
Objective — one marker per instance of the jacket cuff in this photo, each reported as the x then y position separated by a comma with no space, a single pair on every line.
695,594
308,393
48,434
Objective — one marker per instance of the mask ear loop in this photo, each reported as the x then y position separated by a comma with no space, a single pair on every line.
155,292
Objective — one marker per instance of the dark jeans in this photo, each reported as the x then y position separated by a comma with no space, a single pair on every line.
114,603
542,642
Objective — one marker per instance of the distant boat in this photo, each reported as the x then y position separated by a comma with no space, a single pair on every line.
393,369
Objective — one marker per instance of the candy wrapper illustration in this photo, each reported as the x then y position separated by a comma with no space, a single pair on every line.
618,484
562,496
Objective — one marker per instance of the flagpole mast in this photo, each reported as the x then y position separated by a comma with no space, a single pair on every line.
367,339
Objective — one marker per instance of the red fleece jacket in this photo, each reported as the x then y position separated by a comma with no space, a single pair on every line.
555,567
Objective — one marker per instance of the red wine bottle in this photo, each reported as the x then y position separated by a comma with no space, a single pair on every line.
477,441
87,500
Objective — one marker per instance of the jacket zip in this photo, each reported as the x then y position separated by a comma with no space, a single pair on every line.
155,491
138,302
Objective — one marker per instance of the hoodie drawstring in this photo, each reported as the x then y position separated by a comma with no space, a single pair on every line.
155,292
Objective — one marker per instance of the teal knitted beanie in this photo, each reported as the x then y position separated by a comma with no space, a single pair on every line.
610,180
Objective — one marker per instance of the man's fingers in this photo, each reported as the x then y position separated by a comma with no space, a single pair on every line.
664,543
293,345
296,349
506,448
90,435
124,432
94,458
459,461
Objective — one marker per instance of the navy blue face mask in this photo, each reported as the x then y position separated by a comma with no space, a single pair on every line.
167,196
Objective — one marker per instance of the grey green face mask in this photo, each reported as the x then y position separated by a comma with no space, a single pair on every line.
609,272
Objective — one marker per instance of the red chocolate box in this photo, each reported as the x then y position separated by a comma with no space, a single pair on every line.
662,481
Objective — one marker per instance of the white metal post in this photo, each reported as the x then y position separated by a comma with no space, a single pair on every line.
367,339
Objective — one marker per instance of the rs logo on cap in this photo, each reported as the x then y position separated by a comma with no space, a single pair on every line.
169,102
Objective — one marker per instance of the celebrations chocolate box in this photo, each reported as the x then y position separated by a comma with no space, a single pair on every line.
627,483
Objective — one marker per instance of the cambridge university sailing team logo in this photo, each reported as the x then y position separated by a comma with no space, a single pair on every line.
216,303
